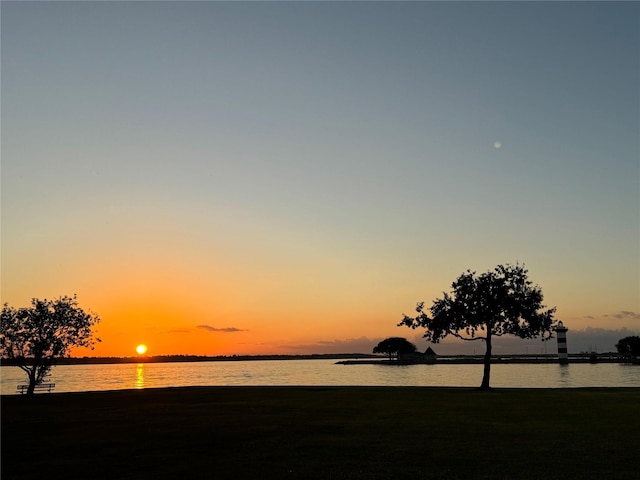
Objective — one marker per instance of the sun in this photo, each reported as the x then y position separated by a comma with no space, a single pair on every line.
141,349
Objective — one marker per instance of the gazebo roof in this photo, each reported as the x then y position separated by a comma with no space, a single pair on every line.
430,352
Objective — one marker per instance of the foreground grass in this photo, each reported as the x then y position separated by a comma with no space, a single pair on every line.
323,433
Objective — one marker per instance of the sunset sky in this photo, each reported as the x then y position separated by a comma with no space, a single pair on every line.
243,178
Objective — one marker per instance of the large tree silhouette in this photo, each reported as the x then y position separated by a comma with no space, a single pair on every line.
629,347
34,337
394,345
499,302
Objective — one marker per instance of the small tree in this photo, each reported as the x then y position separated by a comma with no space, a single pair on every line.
34,337
629,347
480,307
394,345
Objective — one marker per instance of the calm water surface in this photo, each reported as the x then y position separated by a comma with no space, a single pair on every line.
79,378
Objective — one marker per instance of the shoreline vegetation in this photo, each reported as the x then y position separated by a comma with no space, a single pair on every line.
343,359
373,433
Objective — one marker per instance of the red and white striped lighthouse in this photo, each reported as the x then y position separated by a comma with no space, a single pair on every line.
563,355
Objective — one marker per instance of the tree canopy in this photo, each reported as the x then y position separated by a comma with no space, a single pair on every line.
394,345
499,302
33,337
629,347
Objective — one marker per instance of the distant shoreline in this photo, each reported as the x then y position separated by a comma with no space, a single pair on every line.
470,360
198,358
343,359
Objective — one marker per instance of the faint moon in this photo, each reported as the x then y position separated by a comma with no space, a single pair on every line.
497,145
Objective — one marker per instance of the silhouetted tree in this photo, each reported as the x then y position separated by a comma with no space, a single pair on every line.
35,336
394,345
499,302
629,347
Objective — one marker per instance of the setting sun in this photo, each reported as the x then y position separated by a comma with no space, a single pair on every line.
141,349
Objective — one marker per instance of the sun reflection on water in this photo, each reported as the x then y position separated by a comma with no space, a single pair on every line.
139,376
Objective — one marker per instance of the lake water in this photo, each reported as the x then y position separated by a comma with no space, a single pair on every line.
79,378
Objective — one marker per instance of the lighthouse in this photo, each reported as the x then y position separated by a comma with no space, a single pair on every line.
563,356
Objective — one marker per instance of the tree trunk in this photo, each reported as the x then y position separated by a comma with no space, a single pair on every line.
487,363
32,381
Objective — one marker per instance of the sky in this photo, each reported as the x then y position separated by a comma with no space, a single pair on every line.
219,178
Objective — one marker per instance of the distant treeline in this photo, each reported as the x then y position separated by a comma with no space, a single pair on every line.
197,358
347,358
478,359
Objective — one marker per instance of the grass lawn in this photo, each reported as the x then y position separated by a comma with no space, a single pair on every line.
323,433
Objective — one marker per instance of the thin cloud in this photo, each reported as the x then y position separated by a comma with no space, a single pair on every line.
209,328
179,330
625,315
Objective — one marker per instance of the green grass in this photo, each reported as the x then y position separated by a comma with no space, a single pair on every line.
323,433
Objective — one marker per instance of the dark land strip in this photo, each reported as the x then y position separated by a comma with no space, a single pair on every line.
323,433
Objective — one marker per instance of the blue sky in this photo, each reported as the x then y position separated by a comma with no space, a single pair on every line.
343,158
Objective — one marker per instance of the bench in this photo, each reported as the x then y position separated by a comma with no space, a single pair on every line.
40,387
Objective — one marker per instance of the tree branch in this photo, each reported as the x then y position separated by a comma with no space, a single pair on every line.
457,335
